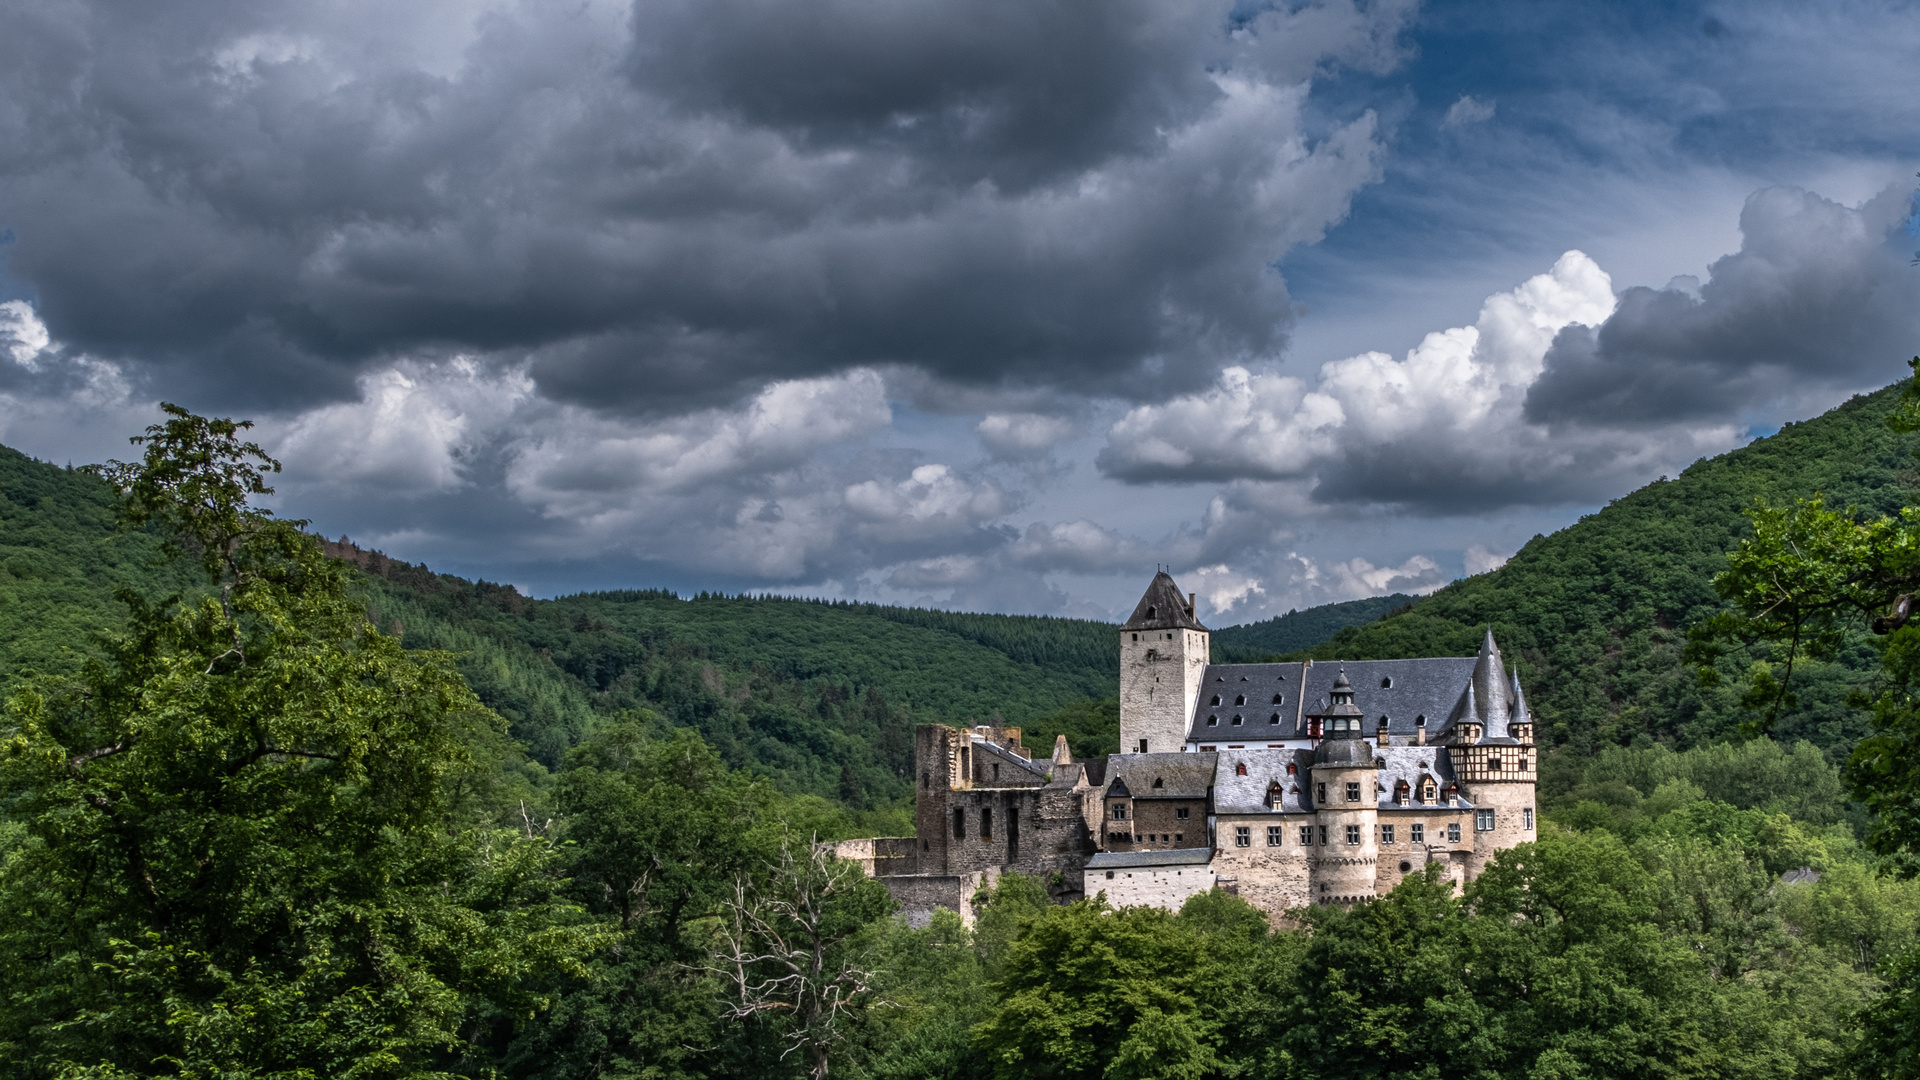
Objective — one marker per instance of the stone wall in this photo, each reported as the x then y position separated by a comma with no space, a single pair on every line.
919,894
1160,674
1150,886
1512,804
1271,878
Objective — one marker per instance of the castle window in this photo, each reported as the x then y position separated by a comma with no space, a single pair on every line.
1417,833
1453,832
1274,834
959,824
1151,611
1119,811
1526,819
1428,792
1320,793
1240,700
1241,837
1386,683
1109,875
1483,820
1215,701
1136,637
1277,700
1143,746
1386,834
926,780
1306,836
1236,719
1353,791
1180,814
986,823
996,770
1353,834
1323,835
1178,837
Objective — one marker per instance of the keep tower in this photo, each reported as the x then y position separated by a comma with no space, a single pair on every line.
1163,654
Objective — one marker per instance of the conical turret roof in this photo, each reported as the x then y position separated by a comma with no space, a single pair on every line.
1163,607
1490,686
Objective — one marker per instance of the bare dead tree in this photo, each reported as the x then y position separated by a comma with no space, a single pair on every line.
787,948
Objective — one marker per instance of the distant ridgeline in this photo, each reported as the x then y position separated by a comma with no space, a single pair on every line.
821,695
1297,630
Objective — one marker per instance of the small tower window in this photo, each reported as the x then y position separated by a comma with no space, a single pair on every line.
1151,611
1353,791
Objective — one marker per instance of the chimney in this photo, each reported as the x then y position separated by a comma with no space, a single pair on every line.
1420,732
1190,605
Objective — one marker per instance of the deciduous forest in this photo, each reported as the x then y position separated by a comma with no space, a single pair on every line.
280,807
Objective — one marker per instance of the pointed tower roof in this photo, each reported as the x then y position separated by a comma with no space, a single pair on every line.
1490,686
1061,755
1520,713
1163,608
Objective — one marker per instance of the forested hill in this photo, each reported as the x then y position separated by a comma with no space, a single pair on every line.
1298,630
822,696
1597,613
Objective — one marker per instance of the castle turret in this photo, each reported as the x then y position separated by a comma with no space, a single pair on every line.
1163,654
1490,686
1346,804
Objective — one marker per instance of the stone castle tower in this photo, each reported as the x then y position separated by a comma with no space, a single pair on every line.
1163,653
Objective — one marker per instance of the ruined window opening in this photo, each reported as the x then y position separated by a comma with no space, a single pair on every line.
986,823
959,824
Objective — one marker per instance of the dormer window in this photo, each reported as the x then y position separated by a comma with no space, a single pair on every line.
1386,683
1157,782
1278,700
1274,719
1239,768
1151,611
1428,792
1240,700
1213,721
1215,701
1236,719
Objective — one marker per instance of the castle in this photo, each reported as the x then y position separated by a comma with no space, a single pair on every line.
1289,784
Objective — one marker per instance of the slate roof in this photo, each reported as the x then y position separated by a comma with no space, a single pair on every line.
1412,764
1181,776
1236,794
1164,607
1437,688
1114,860
1001,753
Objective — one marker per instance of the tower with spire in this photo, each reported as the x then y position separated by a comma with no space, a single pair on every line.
1164,650
1494,756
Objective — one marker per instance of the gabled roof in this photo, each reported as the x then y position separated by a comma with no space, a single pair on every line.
1433,687
1180,776
1163,607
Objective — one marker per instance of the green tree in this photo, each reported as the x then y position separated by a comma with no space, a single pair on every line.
249,837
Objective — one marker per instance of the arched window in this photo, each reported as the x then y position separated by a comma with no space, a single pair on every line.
1150,612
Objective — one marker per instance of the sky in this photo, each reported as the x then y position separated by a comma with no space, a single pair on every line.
994,305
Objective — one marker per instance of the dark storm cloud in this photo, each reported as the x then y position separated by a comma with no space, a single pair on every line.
667,206
1815,299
